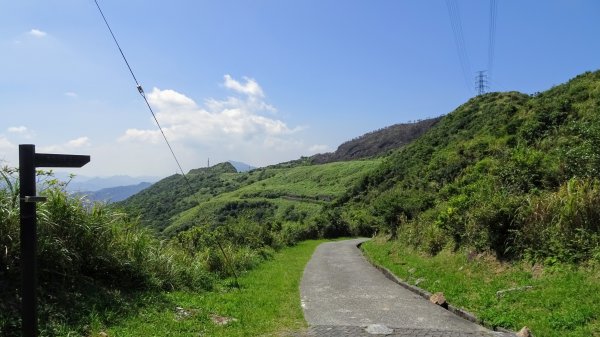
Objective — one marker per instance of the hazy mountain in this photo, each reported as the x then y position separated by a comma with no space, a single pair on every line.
241,167
114,194
84,183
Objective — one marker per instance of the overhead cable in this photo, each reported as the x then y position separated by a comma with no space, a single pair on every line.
143,94
459,41
492,37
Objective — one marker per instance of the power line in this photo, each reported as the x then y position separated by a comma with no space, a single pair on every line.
143,94
459,40
492,36
141,91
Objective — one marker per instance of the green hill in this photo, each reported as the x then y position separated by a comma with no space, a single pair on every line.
172,195
513,173
277,197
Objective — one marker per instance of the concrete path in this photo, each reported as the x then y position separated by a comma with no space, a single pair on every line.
344,295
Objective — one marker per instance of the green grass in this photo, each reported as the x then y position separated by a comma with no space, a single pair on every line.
311,181
268,303
563,302
308,188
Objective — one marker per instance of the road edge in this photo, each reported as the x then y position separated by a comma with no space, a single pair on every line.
426,295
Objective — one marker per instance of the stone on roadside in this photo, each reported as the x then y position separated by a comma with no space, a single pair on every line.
419,280
378,329
222,320
182,313
524,332
439,299
501,293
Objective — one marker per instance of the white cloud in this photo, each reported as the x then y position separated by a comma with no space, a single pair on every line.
319,148
147,136
170,99
8,152
21,132
70,94
37,33
78,142
17,129
250,88
234,127
5,144
67,146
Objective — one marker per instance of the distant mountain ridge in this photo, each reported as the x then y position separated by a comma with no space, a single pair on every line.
174,194
115,194
85,183
377,142
240,166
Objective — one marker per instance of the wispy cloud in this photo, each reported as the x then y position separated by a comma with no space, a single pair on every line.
78,142
37,33
67,146
71,94
5,144
250,87
17,129
319,148
21,131
8,152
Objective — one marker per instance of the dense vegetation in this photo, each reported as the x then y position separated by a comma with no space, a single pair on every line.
505,172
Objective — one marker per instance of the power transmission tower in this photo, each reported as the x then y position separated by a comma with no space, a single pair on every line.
481,82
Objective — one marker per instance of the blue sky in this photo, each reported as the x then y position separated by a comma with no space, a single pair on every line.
260,81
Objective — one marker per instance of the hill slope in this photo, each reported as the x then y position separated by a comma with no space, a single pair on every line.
505,171
377,142
172,195
278,197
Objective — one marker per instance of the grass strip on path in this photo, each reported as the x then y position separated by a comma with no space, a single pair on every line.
268,304
564,300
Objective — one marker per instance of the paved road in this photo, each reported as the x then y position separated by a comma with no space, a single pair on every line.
343,295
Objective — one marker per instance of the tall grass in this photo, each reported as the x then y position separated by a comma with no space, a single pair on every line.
85,252
562,225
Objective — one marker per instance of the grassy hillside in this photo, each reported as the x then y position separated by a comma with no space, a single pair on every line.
172,195
506,172
289,199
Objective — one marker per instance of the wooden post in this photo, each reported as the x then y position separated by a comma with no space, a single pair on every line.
28,240
28,161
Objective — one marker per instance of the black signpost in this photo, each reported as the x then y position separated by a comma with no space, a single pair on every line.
28,162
